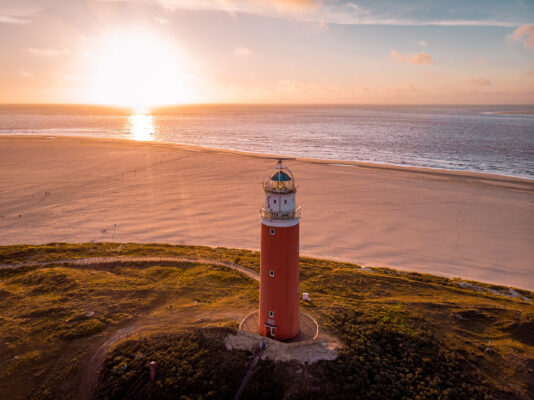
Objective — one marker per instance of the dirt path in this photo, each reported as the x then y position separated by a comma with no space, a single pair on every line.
105,260
92,368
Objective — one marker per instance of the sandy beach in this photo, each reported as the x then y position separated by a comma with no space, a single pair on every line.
66,189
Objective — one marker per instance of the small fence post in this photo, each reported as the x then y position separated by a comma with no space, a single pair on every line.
152,370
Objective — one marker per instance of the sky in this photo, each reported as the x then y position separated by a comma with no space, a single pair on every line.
144,53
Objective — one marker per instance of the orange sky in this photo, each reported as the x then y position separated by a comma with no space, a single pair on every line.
143,53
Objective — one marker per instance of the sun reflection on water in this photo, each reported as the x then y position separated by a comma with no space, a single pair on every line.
141,126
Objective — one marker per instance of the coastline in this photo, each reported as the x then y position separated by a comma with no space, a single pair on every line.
445,222
334,162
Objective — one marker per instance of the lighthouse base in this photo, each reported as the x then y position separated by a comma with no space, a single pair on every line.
309,329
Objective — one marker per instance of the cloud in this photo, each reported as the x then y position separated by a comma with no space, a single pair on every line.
162,21
292,86
243,51
7,19
25,74
482,82
47,52
355,7
524,34
463,22
422,43
414,58
403,90
19,12
406,13
259,7
289,85
295,5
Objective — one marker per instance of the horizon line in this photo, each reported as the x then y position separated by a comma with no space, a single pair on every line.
259,104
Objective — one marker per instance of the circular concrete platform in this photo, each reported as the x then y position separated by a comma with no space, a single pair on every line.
309,329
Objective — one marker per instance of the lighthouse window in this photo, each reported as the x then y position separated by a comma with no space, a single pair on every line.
271,314
272,231
275,202
285,201
271,272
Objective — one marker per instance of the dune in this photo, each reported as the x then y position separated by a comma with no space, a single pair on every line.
69,189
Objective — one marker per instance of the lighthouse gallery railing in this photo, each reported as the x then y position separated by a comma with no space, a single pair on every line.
280,214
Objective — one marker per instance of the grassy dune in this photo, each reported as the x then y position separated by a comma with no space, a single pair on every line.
404,334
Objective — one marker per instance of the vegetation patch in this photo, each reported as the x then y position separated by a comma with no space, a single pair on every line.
384,360
79,329
523,331
191,364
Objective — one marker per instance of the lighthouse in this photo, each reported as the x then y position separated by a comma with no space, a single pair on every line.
279,316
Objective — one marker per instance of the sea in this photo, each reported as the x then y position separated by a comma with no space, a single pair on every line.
484,138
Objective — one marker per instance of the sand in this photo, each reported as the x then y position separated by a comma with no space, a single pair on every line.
65,189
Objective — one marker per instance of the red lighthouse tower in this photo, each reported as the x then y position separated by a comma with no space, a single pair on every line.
279,315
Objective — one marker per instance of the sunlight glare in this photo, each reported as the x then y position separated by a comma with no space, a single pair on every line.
141,126
139,69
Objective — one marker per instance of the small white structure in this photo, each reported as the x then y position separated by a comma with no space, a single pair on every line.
305,296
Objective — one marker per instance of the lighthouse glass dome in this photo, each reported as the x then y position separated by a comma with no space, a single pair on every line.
280,176
280,181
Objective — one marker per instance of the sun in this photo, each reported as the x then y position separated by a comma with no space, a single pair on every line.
139,69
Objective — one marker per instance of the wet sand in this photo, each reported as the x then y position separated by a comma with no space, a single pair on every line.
66,189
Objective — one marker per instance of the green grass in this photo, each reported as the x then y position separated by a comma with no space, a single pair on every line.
405,334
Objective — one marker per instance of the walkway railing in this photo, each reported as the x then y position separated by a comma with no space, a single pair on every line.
280,214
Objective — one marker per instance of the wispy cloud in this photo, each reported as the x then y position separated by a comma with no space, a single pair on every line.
295,5
480,82
414,58
47,52
162,21
293,86
354,13
25,74
524,34
8,19
261,7
464,22
422,43
243,51
19,12
404,90
356,8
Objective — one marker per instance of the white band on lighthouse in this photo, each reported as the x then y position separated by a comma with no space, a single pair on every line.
280,223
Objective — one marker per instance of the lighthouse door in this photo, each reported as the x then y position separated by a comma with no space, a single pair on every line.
271,331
